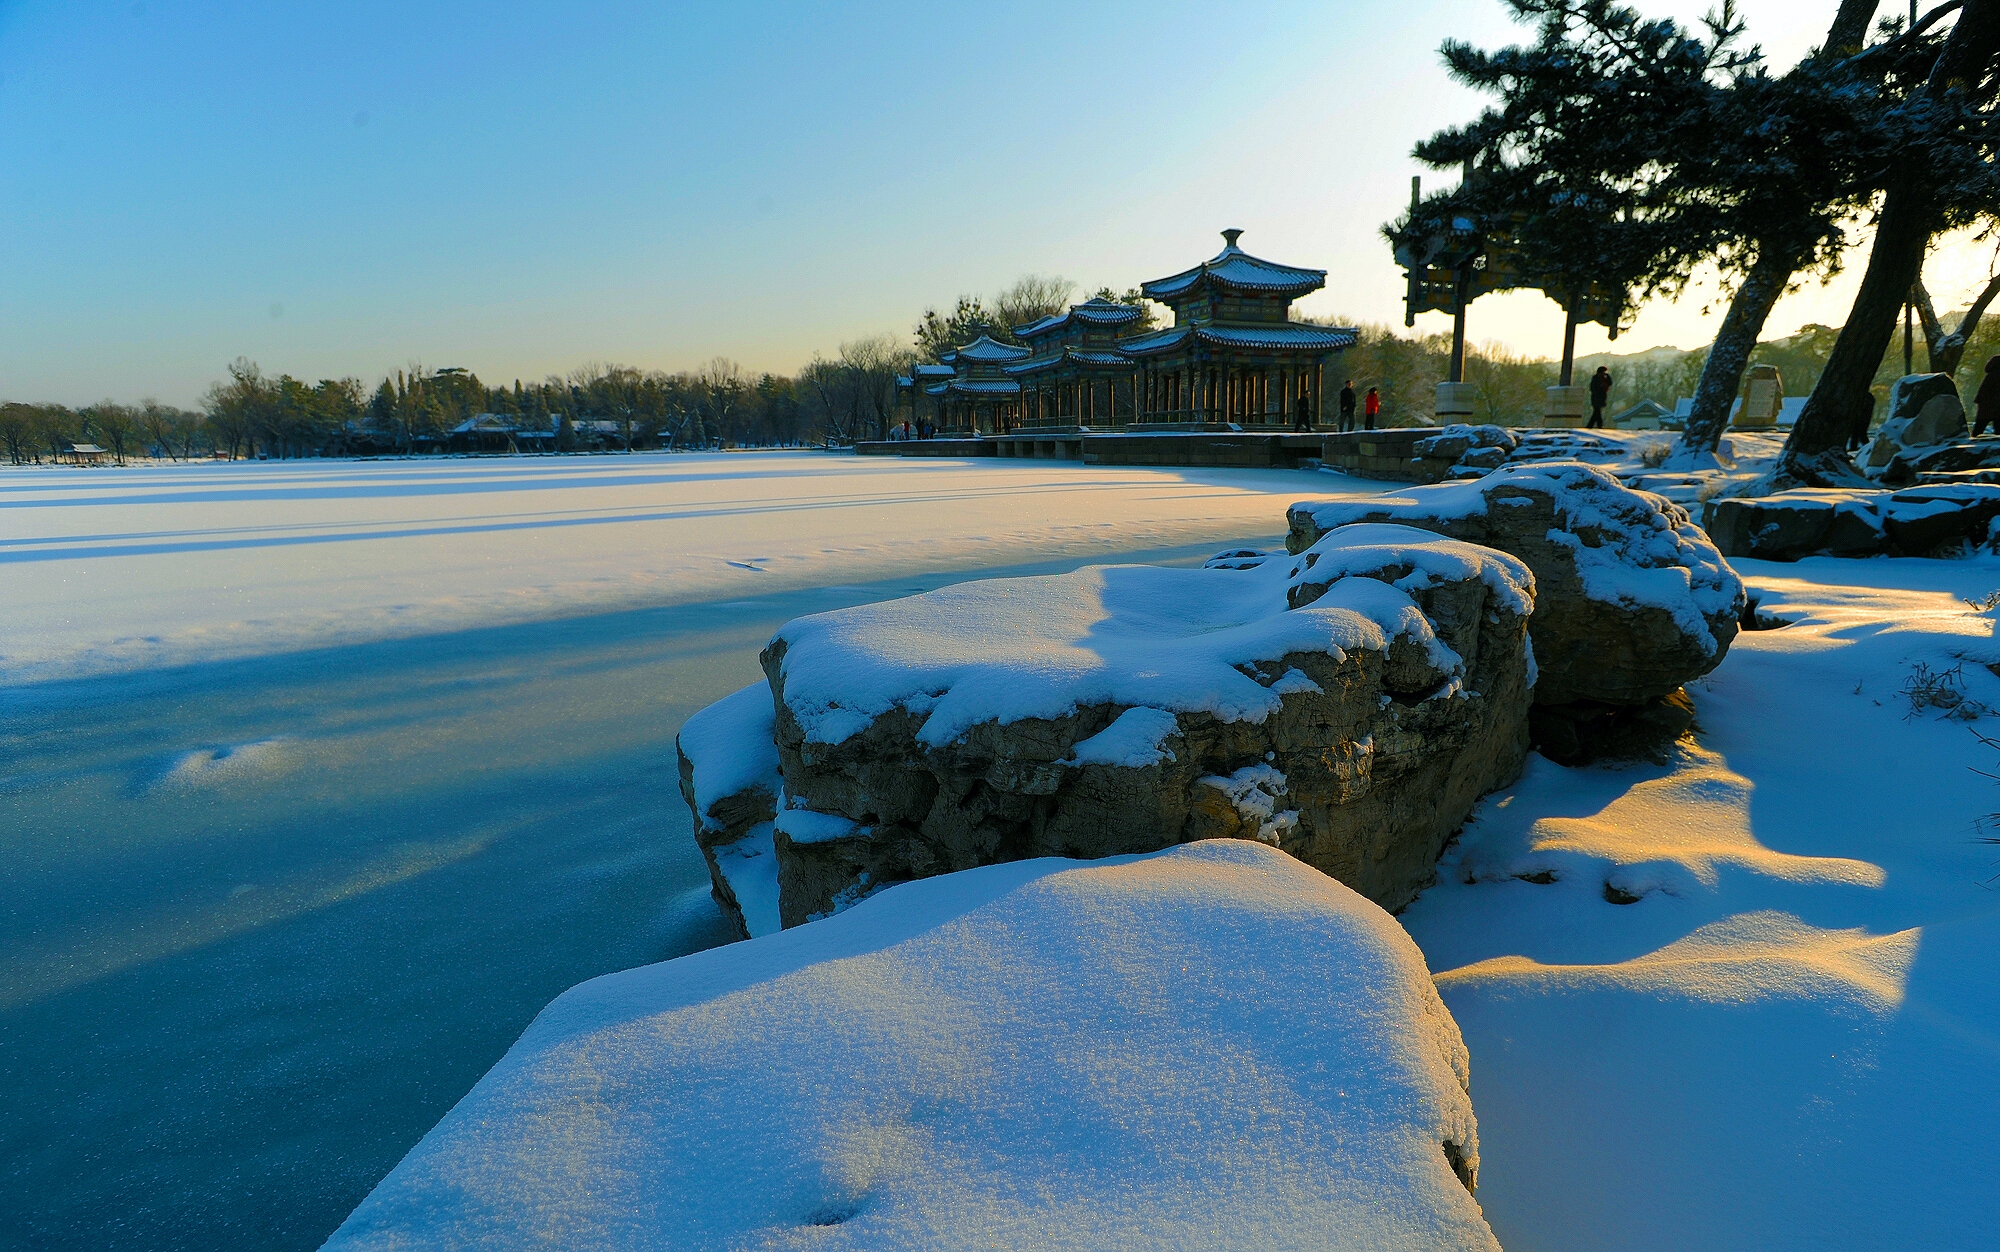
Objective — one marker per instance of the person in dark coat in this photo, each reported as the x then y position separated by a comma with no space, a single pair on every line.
1600,395
1302,415
1347,406
1986,405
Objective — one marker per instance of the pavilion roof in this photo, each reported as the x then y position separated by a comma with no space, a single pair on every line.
1295,336
1077,356
986,348
984,386
1237,270
1096,311
933,371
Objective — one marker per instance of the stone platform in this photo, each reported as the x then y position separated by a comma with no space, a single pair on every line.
1242,448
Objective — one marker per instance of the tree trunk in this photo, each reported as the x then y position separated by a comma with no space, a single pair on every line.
1840,405
1729,356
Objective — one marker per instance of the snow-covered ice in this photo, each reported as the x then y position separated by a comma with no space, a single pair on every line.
120,569
319,779
1209,1047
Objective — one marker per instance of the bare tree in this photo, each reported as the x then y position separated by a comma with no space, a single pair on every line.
1031,298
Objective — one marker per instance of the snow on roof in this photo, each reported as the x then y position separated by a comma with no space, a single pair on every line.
86,448
1285,335
1210,1045
1075,356
1237,269
984,386
1008,649
986,348
1097,311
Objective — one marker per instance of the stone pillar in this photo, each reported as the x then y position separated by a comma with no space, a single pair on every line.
1455,402
1566,408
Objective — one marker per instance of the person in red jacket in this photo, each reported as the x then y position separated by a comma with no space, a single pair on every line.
1371,405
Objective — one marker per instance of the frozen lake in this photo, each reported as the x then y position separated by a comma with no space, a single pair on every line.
317,781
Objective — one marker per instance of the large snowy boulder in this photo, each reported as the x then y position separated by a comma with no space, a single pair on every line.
1212,1047
1631,598
1128,708
1924,411
729,778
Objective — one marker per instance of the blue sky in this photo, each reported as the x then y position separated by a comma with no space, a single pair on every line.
345,189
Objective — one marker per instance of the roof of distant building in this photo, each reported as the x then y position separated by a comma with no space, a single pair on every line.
984,386
1297,336
1078,356
1096,311
934,371
1236,269
986,348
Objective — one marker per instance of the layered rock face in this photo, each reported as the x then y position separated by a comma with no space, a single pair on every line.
729,778
1632,600
1347,706
1938,519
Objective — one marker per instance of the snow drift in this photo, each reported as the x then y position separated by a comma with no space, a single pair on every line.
1210,1047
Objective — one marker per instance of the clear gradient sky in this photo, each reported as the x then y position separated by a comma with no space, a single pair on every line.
521,188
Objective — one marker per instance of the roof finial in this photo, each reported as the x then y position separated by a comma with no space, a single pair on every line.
1229,236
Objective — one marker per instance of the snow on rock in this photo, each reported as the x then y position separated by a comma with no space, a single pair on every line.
1211,1047
1632,600
729,778
1385,674
1934,519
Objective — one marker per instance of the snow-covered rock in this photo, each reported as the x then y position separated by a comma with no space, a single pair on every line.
1212,1047
1924,410
1931,519
1632,600
1093,713
729,778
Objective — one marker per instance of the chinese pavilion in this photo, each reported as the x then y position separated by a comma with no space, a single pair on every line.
1076,376
979,397
1233,354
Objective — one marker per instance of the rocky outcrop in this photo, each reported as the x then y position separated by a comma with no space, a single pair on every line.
1924,411
729,778
1347,706
1632,600
1935,519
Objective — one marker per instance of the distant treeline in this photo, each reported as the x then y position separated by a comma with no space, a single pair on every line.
838,399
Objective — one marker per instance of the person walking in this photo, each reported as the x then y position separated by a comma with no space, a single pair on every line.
1347,406
1600,395
1370,407
1302,415
1986,405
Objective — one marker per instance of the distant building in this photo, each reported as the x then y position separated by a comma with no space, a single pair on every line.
1645,415
86,454
1233,357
